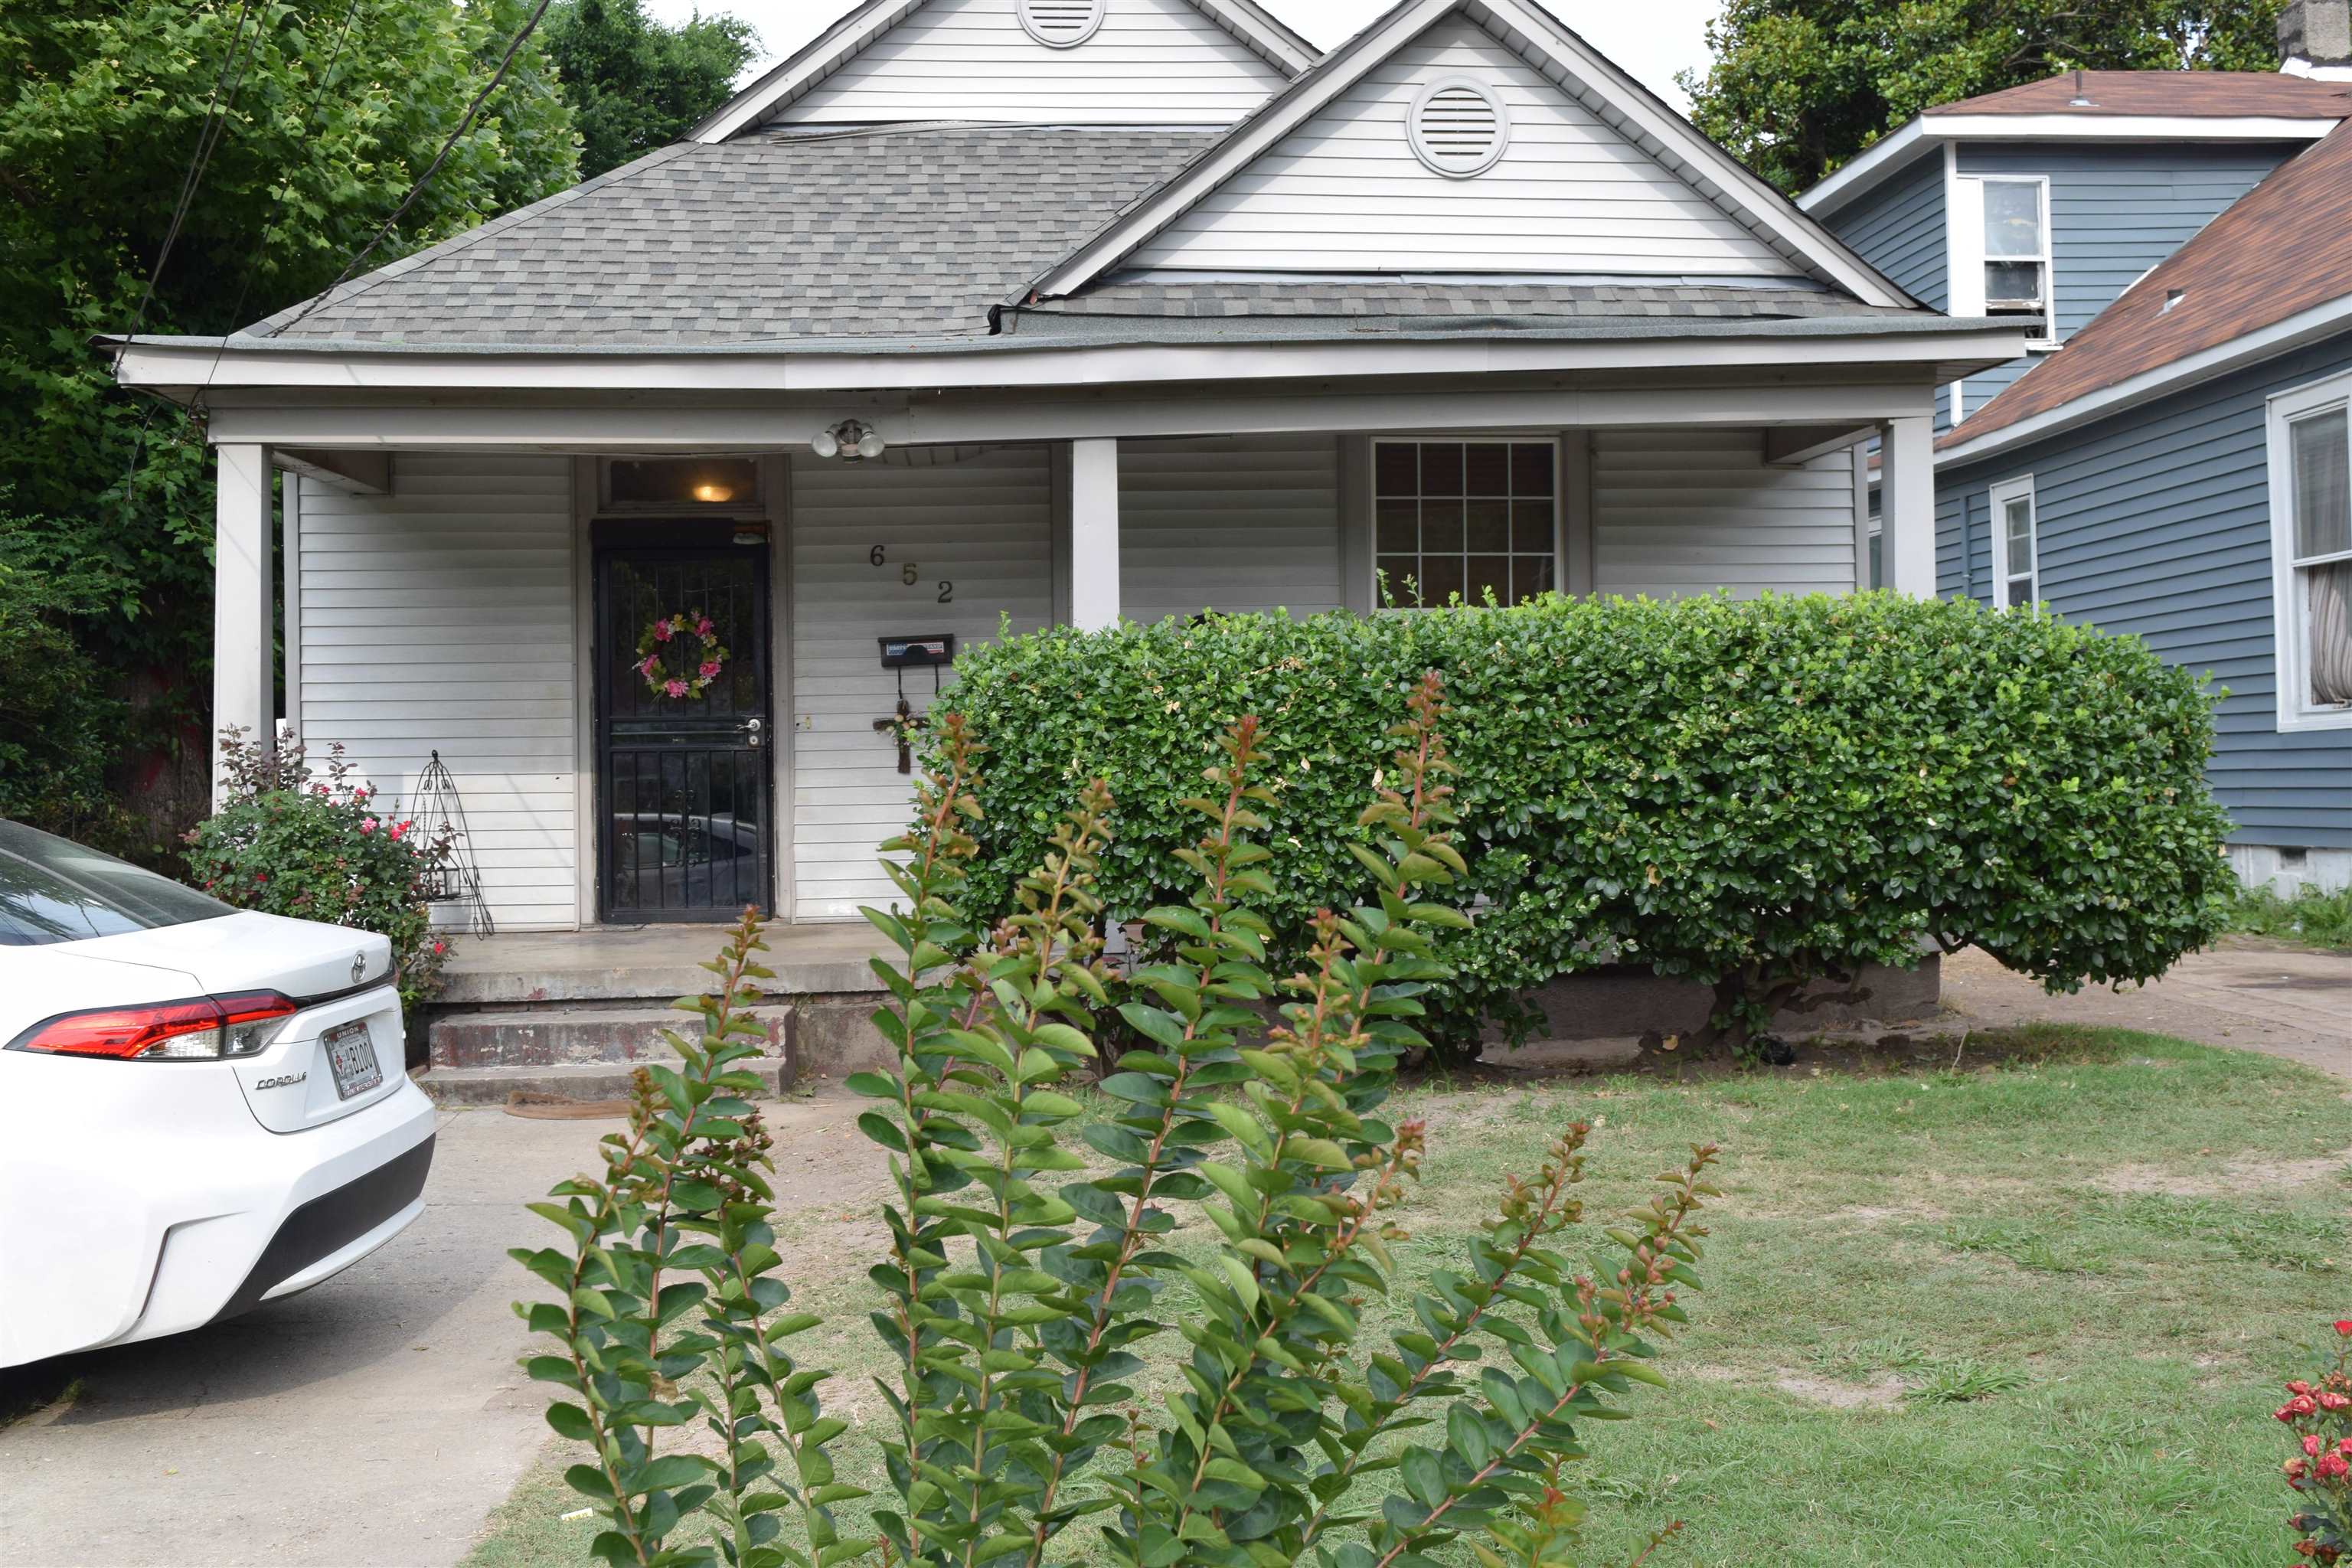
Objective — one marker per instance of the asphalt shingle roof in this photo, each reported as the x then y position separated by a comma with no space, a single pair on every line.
908,232
1466,297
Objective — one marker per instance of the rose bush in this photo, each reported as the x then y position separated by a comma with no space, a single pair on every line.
325,847
2318,1413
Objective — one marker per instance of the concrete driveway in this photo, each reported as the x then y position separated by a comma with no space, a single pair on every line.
374,1420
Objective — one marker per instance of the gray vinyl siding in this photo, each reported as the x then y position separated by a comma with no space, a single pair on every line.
1570,193
1688,512
440,617
1235,524
2114,212
980,518
2156,521
1160,62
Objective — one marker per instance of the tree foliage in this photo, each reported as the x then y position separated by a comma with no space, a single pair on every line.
1027,1323
1756,795
1799,87
321,128
636,85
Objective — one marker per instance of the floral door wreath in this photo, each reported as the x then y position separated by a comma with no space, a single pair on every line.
654,642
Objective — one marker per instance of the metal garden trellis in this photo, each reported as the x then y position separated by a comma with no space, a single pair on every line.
457,879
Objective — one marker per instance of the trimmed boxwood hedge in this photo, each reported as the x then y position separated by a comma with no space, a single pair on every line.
1756,795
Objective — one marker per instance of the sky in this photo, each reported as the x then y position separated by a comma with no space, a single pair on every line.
1651,39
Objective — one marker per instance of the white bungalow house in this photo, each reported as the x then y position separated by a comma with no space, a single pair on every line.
1052,310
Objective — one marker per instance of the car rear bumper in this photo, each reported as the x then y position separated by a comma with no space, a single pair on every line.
172,1230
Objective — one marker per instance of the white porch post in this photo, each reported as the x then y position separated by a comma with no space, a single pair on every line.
1094,532
244,669
1907,504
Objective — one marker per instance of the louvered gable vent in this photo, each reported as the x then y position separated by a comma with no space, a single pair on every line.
1061,23
1458,127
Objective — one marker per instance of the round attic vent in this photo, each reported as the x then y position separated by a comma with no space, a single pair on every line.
1061,23
1458,127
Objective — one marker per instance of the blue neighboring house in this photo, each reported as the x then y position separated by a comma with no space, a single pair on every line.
2170,457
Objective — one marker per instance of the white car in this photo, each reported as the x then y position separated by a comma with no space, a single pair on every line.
209,1107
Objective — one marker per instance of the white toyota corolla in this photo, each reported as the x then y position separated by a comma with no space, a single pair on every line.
207,1105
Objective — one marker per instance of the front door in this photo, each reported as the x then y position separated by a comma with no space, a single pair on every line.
683,731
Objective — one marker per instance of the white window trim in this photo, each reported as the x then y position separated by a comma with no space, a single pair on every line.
1964,244
1372,491
2001,495
2286,612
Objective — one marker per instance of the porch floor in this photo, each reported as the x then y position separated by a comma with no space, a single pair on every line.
613,964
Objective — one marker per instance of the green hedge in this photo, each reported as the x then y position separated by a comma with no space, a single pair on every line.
1751,794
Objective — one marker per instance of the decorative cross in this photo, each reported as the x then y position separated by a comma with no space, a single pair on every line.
904,723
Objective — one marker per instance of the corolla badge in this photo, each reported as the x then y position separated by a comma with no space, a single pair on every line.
291,1078
358,966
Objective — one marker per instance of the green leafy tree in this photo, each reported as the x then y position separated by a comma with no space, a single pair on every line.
1799,87
326,113
635,85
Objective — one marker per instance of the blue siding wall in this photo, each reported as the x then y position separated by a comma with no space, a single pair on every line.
2114,212
2157,521
1898,228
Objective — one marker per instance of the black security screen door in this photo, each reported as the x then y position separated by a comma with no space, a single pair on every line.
682,746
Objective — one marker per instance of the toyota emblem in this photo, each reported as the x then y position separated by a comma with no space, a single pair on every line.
358,966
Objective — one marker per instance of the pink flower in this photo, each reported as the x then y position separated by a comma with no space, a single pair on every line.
320,788
367,824
661,631
710,668
440,947
398,828
676,688
2332,1401
2333,1467
2312,1444
702,627
2300,1405
2344,1327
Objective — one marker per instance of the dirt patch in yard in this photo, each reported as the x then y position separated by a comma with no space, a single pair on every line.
2238,1178
1881,1394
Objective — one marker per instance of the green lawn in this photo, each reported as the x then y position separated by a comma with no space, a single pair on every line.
2030,1313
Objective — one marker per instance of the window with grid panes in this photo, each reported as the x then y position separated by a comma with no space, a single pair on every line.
1463,518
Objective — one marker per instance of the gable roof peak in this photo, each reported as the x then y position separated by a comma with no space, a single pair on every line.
1571,65
1263,53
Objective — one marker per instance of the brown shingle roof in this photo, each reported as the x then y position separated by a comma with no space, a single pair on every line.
2199,94
2282,248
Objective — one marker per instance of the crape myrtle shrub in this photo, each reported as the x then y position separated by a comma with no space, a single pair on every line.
1755,794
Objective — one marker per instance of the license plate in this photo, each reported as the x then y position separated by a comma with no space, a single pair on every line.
351,1051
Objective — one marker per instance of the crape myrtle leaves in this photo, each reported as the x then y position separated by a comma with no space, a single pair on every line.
1032,1285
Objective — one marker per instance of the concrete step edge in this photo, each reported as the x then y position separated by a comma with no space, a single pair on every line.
568,1080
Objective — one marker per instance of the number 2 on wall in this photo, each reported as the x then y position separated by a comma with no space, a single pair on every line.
947,592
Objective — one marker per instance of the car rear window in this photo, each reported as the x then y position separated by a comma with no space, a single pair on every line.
53,889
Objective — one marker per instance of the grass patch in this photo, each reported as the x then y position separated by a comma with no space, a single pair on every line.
1938,1326
2311,918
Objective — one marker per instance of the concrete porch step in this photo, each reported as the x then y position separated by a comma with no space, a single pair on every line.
576,1082
566,1036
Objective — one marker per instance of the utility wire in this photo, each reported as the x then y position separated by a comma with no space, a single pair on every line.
216,117
276,200
466,124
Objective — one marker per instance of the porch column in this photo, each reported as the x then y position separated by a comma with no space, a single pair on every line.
1094,532
245,685
1907,504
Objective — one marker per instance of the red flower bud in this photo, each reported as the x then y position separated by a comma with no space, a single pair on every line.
2344,1327
2333,1467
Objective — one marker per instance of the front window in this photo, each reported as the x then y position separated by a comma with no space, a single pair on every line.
1465,519
2017,248
52,889
2016,564
2311,489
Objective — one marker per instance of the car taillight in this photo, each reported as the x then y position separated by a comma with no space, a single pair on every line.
201,1028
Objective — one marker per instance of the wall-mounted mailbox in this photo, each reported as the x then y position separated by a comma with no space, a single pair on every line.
918,652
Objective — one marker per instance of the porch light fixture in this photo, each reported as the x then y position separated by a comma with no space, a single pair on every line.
851,440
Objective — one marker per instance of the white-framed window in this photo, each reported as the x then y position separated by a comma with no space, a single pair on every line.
1457,515
2000,249
2016,550
2311,552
